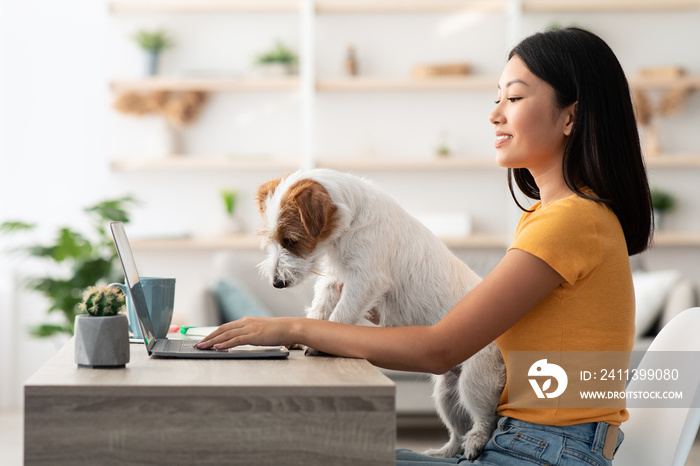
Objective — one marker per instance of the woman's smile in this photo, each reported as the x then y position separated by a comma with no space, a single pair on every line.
502,138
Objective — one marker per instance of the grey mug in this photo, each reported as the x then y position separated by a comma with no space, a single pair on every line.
160,298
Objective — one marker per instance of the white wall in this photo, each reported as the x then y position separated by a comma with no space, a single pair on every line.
57,132
52,135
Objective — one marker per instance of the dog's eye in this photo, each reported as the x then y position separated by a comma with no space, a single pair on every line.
289,243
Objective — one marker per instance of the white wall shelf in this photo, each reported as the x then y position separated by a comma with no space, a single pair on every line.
408,164
202,163
366,7
469,83
554,6
673,160
360,84
188,7
212,243
250,242
676,239
691,82
321,7
172,83
454,162
476,241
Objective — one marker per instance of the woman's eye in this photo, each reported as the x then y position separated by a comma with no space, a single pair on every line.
509,99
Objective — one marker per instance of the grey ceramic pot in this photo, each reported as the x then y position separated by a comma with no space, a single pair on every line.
151,62
102,342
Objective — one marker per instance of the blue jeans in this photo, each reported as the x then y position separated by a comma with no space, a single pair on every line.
517,442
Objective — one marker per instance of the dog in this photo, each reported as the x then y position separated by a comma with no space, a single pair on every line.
374,261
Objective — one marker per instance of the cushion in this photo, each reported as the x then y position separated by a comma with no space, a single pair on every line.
235,300
650,291
682,296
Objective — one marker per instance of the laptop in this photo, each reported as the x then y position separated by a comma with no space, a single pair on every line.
163,347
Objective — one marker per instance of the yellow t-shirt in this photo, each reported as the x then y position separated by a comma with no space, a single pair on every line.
592,310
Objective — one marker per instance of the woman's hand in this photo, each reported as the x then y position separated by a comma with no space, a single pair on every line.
251,331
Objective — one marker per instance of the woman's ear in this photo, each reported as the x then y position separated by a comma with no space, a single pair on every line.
570,114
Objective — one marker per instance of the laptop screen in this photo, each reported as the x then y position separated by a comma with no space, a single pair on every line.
133,283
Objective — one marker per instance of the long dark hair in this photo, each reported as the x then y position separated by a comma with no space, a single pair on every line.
603,152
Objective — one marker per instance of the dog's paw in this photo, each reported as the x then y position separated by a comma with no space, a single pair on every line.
474,442
449,450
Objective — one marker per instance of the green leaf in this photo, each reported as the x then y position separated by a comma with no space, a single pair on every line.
279,54
662,200
69,244
63,294
229,197
155,41
112,210
89,272
47,330
13,226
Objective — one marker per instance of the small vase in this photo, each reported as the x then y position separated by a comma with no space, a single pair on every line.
659,219
102,342
168,139
275,70
232,225
151,61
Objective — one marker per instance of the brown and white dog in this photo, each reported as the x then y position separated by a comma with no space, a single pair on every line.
357,239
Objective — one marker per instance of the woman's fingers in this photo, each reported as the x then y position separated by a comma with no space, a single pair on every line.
249,330
225,332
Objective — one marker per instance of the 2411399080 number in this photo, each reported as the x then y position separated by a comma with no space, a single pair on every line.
639,374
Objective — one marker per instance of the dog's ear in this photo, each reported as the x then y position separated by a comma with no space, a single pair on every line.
315,206
264,191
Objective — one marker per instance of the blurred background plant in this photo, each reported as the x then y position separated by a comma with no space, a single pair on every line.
78,261
153,41
229,197
662,202
232,223
279,60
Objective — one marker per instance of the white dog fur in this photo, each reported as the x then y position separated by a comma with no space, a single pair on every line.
359,240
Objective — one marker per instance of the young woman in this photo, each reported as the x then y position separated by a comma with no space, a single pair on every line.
566,131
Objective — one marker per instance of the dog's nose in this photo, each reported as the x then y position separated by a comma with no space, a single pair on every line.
279,283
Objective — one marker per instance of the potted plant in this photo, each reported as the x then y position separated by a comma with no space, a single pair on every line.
230,198
153,43
443,150
78,260
662,202
102,335
278,61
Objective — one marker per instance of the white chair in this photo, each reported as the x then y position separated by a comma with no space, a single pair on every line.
664,436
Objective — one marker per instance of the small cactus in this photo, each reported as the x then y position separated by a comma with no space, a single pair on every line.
102,300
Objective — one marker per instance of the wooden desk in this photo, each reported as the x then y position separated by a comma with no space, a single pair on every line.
299,411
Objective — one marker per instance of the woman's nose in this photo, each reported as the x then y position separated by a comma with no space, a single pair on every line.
496,116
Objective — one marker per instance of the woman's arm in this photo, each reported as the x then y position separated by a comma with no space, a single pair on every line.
508,293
